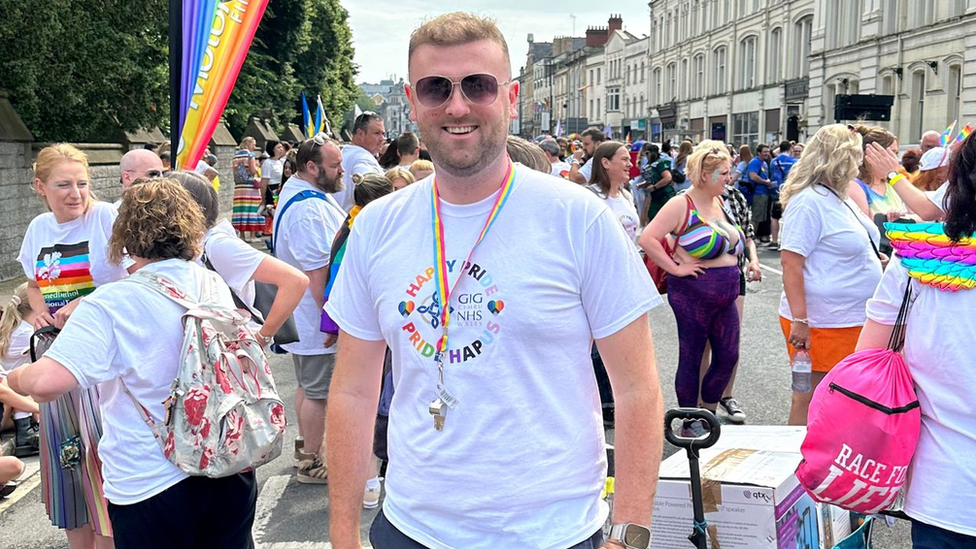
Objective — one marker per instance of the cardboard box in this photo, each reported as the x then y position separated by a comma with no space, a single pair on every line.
751,496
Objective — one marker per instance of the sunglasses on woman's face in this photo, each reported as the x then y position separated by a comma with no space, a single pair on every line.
477,89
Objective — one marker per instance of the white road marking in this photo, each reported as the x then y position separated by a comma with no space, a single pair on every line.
772,270
33,480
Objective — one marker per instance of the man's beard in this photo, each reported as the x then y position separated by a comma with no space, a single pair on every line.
327,184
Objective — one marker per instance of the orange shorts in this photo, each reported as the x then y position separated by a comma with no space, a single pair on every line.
828,346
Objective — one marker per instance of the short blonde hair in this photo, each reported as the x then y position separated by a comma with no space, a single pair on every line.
157,220
831,157
53,155
454,29
707,157
401,173
418,165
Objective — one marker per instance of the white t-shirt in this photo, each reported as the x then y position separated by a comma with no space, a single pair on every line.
623,207
18,350
131,332
355,159
304,240
586,170
272,170
69,260
938,196
938,350
234,260
203,167
841,269
560,169
539,288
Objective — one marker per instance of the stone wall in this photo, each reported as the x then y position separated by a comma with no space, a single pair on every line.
20,204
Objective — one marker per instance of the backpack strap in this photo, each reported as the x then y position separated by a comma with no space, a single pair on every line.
165,287
280,212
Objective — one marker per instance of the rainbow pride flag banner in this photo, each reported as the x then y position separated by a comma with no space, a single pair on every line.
964,133
947,134
216,38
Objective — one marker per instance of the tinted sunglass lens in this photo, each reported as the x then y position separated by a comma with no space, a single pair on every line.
480,89
434,91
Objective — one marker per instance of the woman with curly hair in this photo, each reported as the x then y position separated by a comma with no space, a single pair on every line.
152,503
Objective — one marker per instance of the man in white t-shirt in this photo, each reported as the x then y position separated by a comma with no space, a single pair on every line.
580,170
499,443
368,137
551,148
306,221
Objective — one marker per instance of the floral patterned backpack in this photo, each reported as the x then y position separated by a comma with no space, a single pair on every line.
223,415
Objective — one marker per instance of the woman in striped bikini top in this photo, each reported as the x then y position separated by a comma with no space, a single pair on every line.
704,241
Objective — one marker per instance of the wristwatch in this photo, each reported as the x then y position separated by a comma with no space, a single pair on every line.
630,535
263,339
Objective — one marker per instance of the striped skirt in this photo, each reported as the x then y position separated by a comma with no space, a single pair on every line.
73,497
245,216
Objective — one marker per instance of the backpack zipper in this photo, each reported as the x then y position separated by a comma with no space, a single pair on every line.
872,404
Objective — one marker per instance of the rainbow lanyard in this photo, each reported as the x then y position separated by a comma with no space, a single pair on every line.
440,258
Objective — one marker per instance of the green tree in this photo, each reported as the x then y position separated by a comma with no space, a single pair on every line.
81,70
325,67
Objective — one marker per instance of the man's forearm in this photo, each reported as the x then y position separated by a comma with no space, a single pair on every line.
637,453
349,433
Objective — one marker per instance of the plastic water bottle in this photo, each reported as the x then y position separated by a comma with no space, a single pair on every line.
802,370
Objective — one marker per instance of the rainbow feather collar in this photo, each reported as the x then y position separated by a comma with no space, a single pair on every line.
933,259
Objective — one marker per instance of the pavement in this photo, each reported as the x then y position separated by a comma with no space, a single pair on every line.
296,516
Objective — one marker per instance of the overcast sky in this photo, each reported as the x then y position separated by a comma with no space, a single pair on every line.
381,28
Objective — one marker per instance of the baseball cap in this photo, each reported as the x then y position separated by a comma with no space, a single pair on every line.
934,158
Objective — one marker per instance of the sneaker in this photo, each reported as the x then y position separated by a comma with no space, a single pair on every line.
313,471
371,497
732,410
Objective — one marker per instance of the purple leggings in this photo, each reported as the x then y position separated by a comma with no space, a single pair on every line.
704,309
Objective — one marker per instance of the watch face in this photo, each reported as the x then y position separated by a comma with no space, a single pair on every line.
637,536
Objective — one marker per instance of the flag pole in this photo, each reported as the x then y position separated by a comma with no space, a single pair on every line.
175,76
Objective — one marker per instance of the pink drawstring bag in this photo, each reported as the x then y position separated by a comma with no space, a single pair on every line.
862,428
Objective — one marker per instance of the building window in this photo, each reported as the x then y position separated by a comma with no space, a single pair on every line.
642,111
698,64
694,18
775,57
918,107
745,129
742,7
613,99
598,79
591,76
591,108
718,71
958,8
597,108
924,12
642,71
887,85
953,93
890,17
747,63
802,34
727,10
657,98
672,80
667,29
684,79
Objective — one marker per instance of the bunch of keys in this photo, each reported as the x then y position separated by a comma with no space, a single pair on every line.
438,409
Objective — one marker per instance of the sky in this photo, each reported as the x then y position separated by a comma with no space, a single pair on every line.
381,28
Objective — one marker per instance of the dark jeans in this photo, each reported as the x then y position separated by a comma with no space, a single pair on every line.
926,536
198,512
383,535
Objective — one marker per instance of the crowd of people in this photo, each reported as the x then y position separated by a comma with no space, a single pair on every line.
412,273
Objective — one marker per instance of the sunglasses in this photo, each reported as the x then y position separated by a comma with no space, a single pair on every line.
477,89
